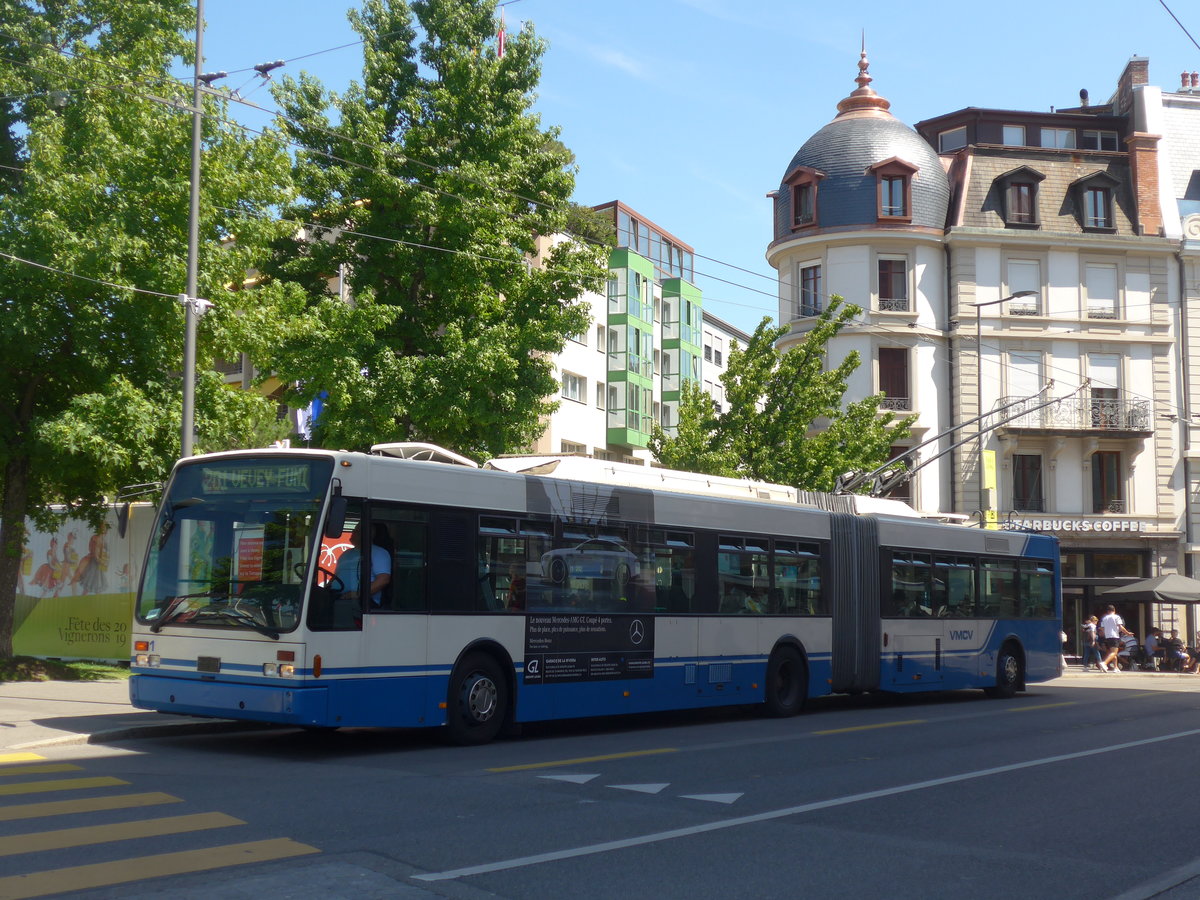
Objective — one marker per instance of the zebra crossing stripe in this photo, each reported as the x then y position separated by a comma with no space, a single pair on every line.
124,871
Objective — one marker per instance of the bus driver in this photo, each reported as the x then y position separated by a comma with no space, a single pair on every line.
381,565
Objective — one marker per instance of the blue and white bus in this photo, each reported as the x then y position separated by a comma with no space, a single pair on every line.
540,588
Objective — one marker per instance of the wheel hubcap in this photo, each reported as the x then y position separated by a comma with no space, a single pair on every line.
481,699
1010,669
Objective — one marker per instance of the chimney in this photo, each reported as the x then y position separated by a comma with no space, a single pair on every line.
1195,80
1137,72
1143,166
1083,98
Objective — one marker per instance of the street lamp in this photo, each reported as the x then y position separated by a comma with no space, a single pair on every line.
979,373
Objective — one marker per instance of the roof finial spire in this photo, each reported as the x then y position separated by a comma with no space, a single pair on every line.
864,99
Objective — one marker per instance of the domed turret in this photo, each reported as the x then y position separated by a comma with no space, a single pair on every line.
864,169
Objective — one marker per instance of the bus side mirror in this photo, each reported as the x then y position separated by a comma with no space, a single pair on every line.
122,519
335,522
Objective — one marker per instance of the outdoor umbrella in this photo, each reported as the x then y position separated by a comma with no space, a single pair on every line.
1163,589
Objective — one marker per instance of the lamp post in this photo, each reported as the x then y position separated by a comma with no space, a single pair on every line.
979,373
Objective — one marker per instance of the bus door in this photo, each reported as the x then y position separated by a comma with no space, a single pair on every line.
913,629
395,618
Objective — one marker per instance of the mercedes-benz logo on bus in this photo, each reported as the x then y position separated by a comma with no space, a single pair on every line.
637,631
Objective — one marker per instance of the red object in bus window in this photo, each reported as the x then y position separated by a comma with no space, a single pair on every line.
331,551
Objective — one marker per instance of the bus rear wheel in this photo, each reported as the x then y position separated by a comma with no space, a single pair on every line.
478,701
1010,674
787,683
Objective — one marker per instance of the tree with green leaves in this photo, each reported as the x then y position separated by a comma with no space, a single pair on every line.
94,148
786,421
430,197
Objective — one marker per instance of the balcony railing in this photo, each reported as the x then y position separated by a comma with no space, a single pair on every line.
903,404
1119,414
893,304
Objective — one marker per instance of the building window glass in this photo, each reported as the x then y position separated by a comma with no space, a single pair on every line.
1014,135
1108,484
1062,138
574,387
893,378
954,139
1098,140
1020,203
1097,208
893,283
809,301
802,204
1027,482
1100,282
601,394
573,447
1024,275
893,196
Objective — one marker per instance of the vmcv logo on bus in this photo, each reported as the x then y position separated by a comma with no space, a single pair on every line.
961,634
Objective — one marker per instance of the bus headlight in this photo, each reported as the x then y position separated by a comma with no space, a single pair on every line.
284,670
149,660
287,671
270,669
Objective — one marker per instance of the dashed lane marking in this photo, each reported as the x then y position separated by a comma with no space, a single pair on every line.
124,871
124,831
580,760
1041,706
85,805
871,727
65,784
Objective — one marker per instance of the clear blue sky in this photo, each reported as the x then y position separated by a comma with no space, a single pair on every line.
689,110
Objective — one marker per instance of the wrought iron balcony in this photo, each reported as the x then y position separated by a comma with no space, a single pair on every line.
893,304
903,404
1121,415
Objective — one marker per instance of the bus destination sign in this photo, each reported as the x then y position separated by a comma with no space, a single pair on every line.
255,479
588,647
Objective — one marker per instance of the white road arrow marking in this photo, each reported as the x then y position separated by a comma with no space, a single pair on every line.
714,798
640,788
574,779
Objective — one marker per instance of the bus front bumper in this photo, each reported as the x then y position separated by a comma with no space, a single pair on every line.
285,704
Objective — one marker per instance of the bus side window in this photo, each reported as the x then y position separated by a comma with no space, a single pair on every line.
406,532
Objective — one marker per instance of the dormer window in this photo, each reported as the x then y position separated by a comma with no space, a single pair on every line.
1019,197
1097,207
802,182
1094,201
894,179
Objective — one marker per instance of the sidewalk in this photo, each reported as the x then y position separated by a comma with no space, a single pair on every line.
46,713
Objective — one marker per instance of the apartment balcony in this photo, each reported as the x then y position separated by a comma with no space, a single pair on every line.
1110,417
896,404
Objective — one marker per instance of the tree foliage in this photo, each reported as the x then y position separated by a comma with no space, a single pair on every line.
94,151
786,421
427,188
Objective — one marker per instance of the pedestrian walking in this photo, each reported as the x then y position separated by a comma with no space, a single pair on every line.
1112,627
1091,645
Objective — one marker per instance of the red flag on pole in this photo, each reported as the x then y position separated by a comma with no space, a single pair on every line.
500,37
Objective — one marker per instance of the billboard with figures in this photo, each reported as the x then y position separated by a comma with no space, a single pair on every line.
76,587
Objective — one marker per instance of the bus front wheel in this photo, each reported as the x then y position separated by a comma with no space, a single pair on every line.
478,701
787,683
1010,674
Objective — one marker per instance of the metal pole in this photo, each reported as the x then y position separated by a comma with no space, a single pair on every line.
187,427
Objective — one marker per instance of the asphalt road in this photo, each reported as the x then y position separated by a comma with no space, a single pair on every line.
1071,790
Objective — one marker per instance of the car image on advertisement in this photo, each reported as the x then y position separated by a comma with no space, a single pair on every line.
594,558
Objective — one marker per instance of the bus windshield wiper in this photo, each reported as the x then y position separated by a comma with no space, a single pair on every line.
244,618
177,607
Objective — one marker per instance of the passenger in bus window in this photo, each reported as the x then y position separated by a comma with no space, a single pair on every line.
348,570
516,587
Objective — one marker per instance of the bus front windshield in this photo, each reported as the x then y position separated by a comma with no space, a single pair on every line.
233,543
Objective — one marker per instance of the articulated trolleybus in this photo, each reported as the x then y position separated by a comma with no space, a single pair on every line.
540,588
